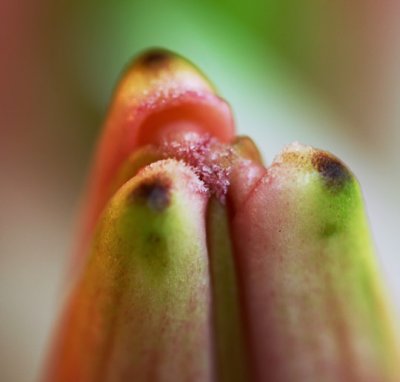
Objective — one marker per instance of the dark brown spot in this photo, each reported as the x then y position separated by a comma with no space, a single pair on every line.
333,171
156,58
156,193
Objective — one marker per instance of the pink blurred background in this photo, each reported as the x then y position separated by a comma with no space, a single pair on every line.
327,75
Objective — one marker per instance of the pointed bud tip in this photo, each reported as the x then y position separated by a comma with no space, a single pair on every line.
334,173
155,58
155,192
246,148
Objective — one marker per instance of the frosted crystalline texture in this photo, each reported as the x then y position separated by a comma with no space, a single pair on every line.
210,160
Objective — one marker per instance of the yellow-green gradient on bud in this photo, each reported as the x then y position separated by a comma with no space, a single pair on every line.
313,299
141,310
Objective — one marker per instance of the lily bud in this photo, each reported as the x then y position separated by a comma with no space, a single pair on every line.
198,263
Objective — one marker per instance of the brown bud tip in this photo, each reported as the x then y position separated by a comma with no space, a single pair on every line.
155,59
156,193
333,171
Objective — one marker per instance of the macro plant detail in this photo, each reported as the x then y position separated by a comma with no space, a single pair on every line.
199,263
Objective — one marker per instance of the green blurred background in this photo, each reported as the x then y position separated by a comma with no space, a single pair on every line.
323,73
